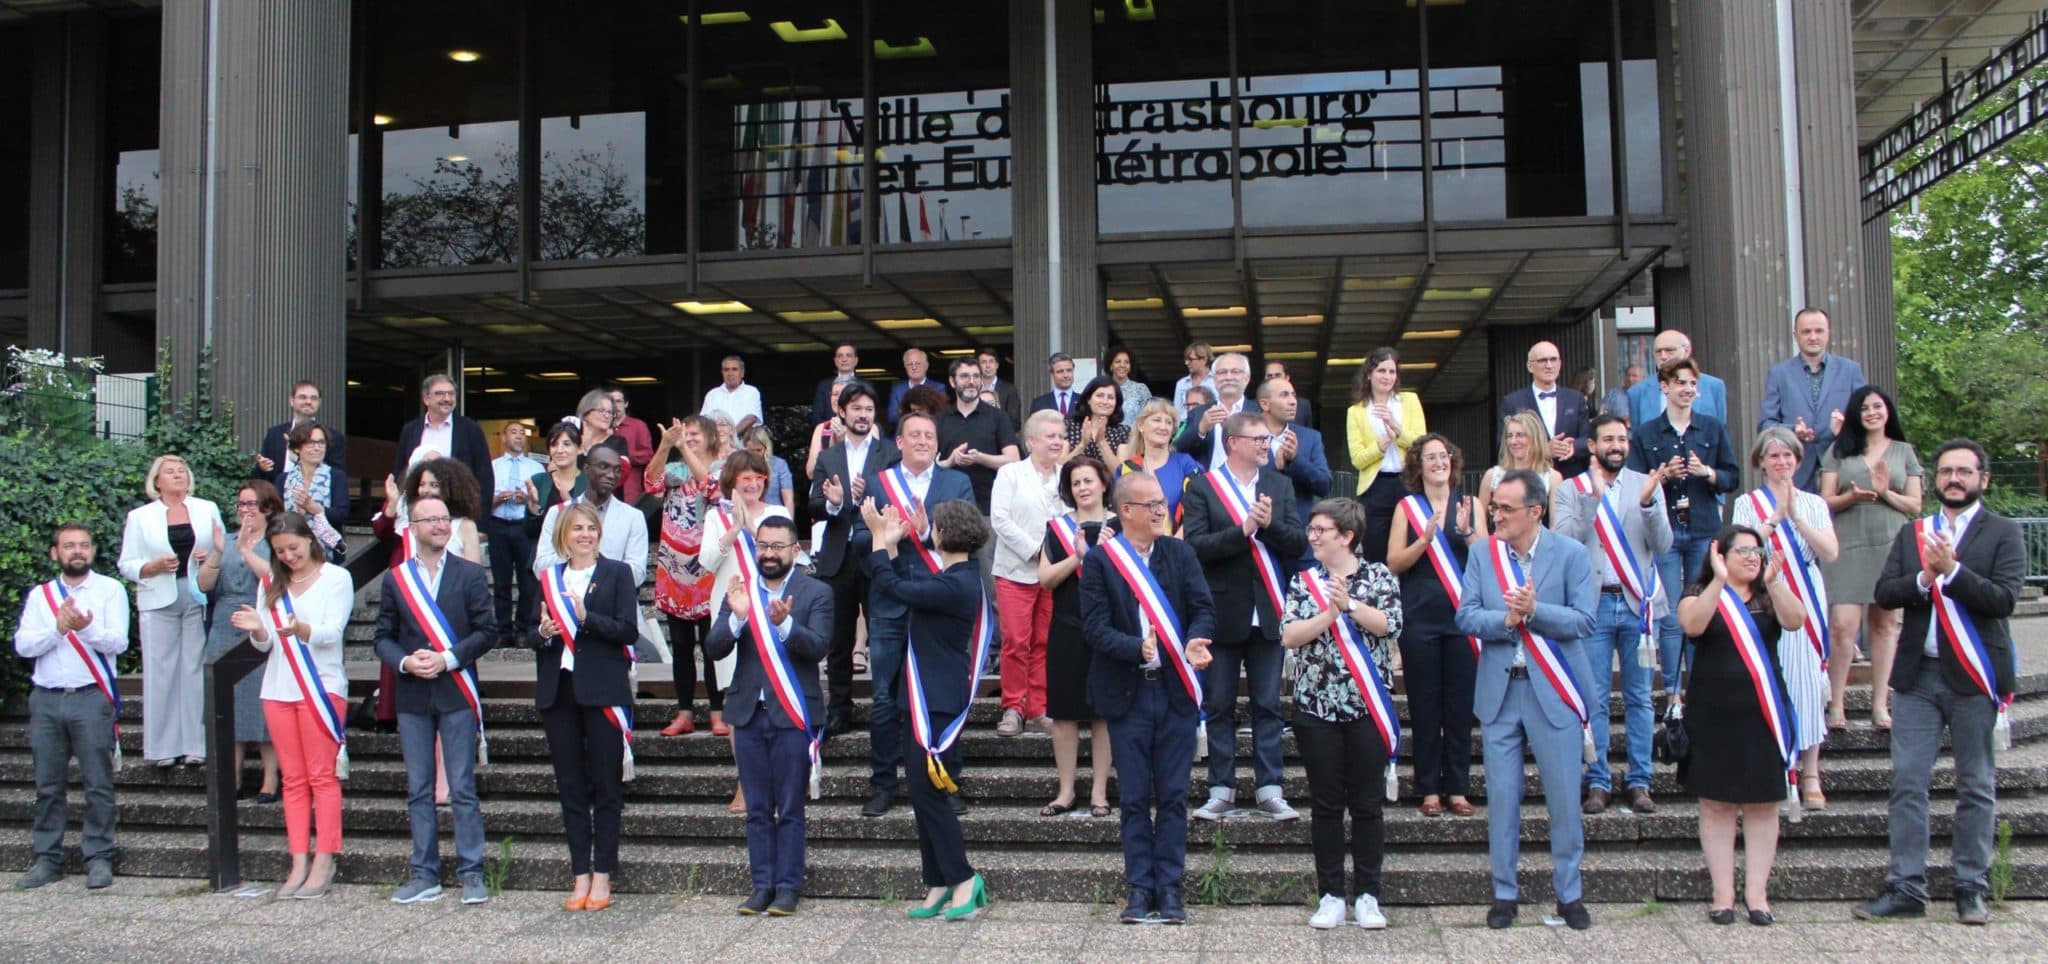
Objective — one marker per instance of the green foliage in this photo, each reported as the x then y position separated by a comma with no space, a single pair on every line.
498,868
46,394
52,479
2001,873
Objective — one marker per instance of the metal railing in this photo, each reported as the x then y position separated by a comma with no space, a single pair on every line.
2035,532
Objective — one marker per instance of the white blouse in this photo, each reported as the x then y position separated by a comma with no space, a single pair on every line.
325,606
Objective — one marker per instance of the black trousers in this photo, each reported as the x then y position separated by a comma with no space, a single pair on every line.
1347,764
1381,498
589,755
849,594
511,557
941,848
1439,671
685,639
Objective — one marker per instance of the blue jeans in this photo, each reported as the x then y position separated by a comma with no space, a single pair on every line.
1261,660
1154,752
886,639
458,733
1675,568
1616,630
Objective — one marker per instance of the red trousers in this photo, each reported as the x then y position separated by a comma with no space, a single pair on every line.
1024,613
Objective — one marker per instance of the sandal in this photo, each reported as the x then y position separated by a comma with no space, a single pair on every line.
1055,809
860,661
1837,720
1810,797
1099,810
1462,808
1882,721
1431,807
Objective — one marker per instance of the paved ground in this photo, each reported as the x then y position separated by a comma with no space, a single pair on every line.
148,919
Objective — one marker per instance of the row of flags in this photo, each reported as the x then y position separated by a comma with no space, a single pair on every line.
799,191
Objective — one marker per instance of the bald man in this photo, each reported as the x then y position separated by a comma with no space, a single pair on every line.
1563,410
1646,398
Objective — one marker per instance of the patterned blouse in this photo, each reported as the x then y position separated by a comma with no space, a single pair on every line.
682,588
1322,684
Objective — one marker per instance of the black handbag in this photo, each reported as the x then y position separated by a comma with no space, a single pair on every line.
1672,744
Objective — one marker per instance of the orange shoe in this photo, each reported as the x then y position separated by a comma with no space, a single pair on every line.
680,725
598,903
718,727
576,903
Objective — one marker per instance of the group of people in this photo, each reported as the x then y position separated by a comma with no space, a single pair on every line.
1120,561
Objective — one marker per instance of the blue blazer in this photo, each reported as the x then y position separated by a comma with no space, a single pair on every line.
1787,400
1567,594
808,637
1109,621
947,485
1573,419
465,598
611,625
1309,471
896,393
1198,445
1646,400
942,609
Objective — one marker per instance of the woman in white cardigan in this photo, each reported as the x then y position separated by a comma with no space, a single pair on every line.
165,540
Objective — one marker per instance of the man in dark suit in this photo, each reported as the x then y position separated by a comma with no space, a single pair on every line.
1239,519
999,393
1304,411
1563,410
439,429
845,360
1971,562
435,684
838,486
1199,437
772,750
1297,449
275,454
1062,398
1806,393
1134,686
920,484
916,365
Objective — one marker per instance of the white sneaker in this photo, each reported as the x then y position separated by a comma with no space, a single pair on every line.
1220,802
1367,914
1275,806
1328,914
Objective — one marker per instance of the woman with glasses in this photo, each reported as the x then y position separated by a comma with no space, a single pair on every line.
1381,426
319,495
1521,447
1872,480
1731,614
1438,665
231,578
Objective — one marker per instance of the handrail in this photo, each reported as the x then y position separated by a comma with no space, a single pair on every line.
223,836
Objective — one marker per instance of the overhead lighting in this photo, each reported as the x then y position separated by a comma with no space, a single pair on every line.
1434,334
871,372
790,33
1226,349
472,369
352,383
1379,284
464,56
713,307
636,379
557,376
457,158
1233,311
1281,321
405,321
498,391
720,18
381,120
885,50
1457,294
800,316
955,352
1131,304
1418,366
899,324
989,329
1342,362
1289,355
517,328
800,346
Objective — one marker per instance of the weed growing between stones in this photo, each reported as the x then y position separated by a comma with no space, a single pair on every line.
1213,885
498,868
2001,864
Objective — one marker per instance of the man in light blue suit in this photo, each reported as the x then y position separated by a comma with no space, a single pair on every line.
1517,705
1806,393
1646,398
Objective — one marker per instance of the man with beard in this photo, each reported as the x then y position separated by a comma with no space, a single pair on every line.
73,627
771,747
440,431
1202,436
837,490
1617,513
1957,575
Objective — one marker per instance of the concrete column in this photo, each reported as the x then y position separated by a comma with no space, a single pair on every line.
1052,259
1830,212
67,177
1879,350
253,221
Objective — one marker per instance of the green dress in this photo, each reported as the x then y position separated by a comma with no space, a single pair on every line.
1866,528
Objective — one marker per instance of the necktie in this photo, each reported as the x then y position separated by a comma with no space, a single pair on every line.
1063,403
1540,396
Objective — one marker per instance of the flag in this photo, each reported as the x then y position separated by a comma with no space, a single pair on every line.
792,180
902,217
750,172
814,186
924,223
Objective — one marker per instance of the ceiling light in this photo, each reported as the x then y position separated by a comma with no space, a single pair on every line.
1341,362
790,34
1379,284
422,321
381,120
899,324
989,329
636,379
1434,334
885,50
472,369
556,376
1269,123
1419,366
1289,355
1128,304
498,391
713,307
1284,320
830,315
1456,294
464,56
517,328
721,18
456,158
793,90
352,383
1226,349
1233,311
799,346
871,372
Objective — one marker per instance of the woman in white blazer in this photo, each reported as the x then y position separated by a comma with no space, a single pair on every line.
166,539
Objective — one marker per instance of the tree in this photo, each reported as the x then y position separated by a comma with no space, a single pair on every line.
461,214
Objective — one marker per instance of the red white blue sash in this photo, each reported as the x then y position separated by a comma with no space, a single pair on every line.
896,488
770,647
1799,574
100,665
1068,532
1749,647
1958,629
1637,579
937,741
298,657
1156,611
1365,674
433,622
1441,558
1239,506
1547,655
554,594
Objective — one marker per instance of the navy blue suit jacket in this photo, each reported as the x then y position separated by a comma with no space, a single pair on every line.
810,635
1787,399
1199,445
942,609
1109,621
465,598
1573,419
1309,470
611,625
947,485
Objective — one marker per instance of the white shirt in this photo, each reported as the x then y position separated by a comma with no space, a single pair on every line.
37,637
1954,530
736,403
1546,408
431,578
856,467
435,438
623,538
1020,505
577,582
325,605
1143,621
509,473
1528,561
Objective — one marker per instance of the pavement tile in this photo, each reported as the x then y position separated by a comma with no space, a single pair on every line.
1294,939
902,933
1351,943
997,936
1527,941
1894,939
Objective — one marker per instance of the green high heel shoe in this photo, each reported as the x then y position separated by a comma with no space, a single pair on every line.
928,911
974,904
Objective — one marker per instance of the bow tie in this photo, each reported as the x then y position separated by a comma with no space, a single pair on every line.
1543,395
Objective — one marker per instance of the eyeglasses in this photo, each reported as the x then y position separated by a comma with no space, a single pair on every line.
778,546
1955,472
1156,505
751,477
1261,439
431,520
1498,509
1753,552
1322,530
248,504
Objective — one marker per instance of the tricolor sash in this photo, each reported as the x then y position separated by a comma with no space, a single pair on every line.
1637,579
1958,629
769,646
1441,558
100,665
1068,532
1749,647
896,488
1799,574
1239,506
936,741
1155,611
1365,674
298,657
554,594
433,622
1547,655
406,550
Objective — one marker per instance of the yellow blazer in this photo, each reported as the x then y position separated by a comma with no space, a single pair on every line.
1366,454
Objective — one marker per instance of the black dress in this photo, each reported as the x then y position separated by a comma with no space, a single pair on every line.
1066,651
1734,759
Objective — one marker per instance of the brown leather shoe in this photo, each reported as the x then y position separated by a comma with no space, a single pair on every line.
1639,800
1431,807
1596,801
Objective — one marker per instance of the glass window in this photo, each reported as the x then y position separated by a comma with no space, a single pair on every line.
942,76
1162,105
446,95
613,87
133,80
16,77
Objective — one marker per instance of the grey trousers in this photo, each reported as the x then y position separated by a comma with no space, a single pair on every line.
173,695
458,733
1918,714
63,725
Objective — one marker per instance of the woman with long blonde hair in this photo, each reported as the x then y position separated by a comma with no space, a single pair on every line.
1521,447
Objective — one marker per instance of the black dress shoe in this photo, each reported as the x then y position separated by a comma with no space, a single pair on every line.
1761,918
1971,908
266,798
1171,909
1575,915
757,902
1501,915
784,905
1725,915
958,803
878,804
1137,907
1890,904
837,723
